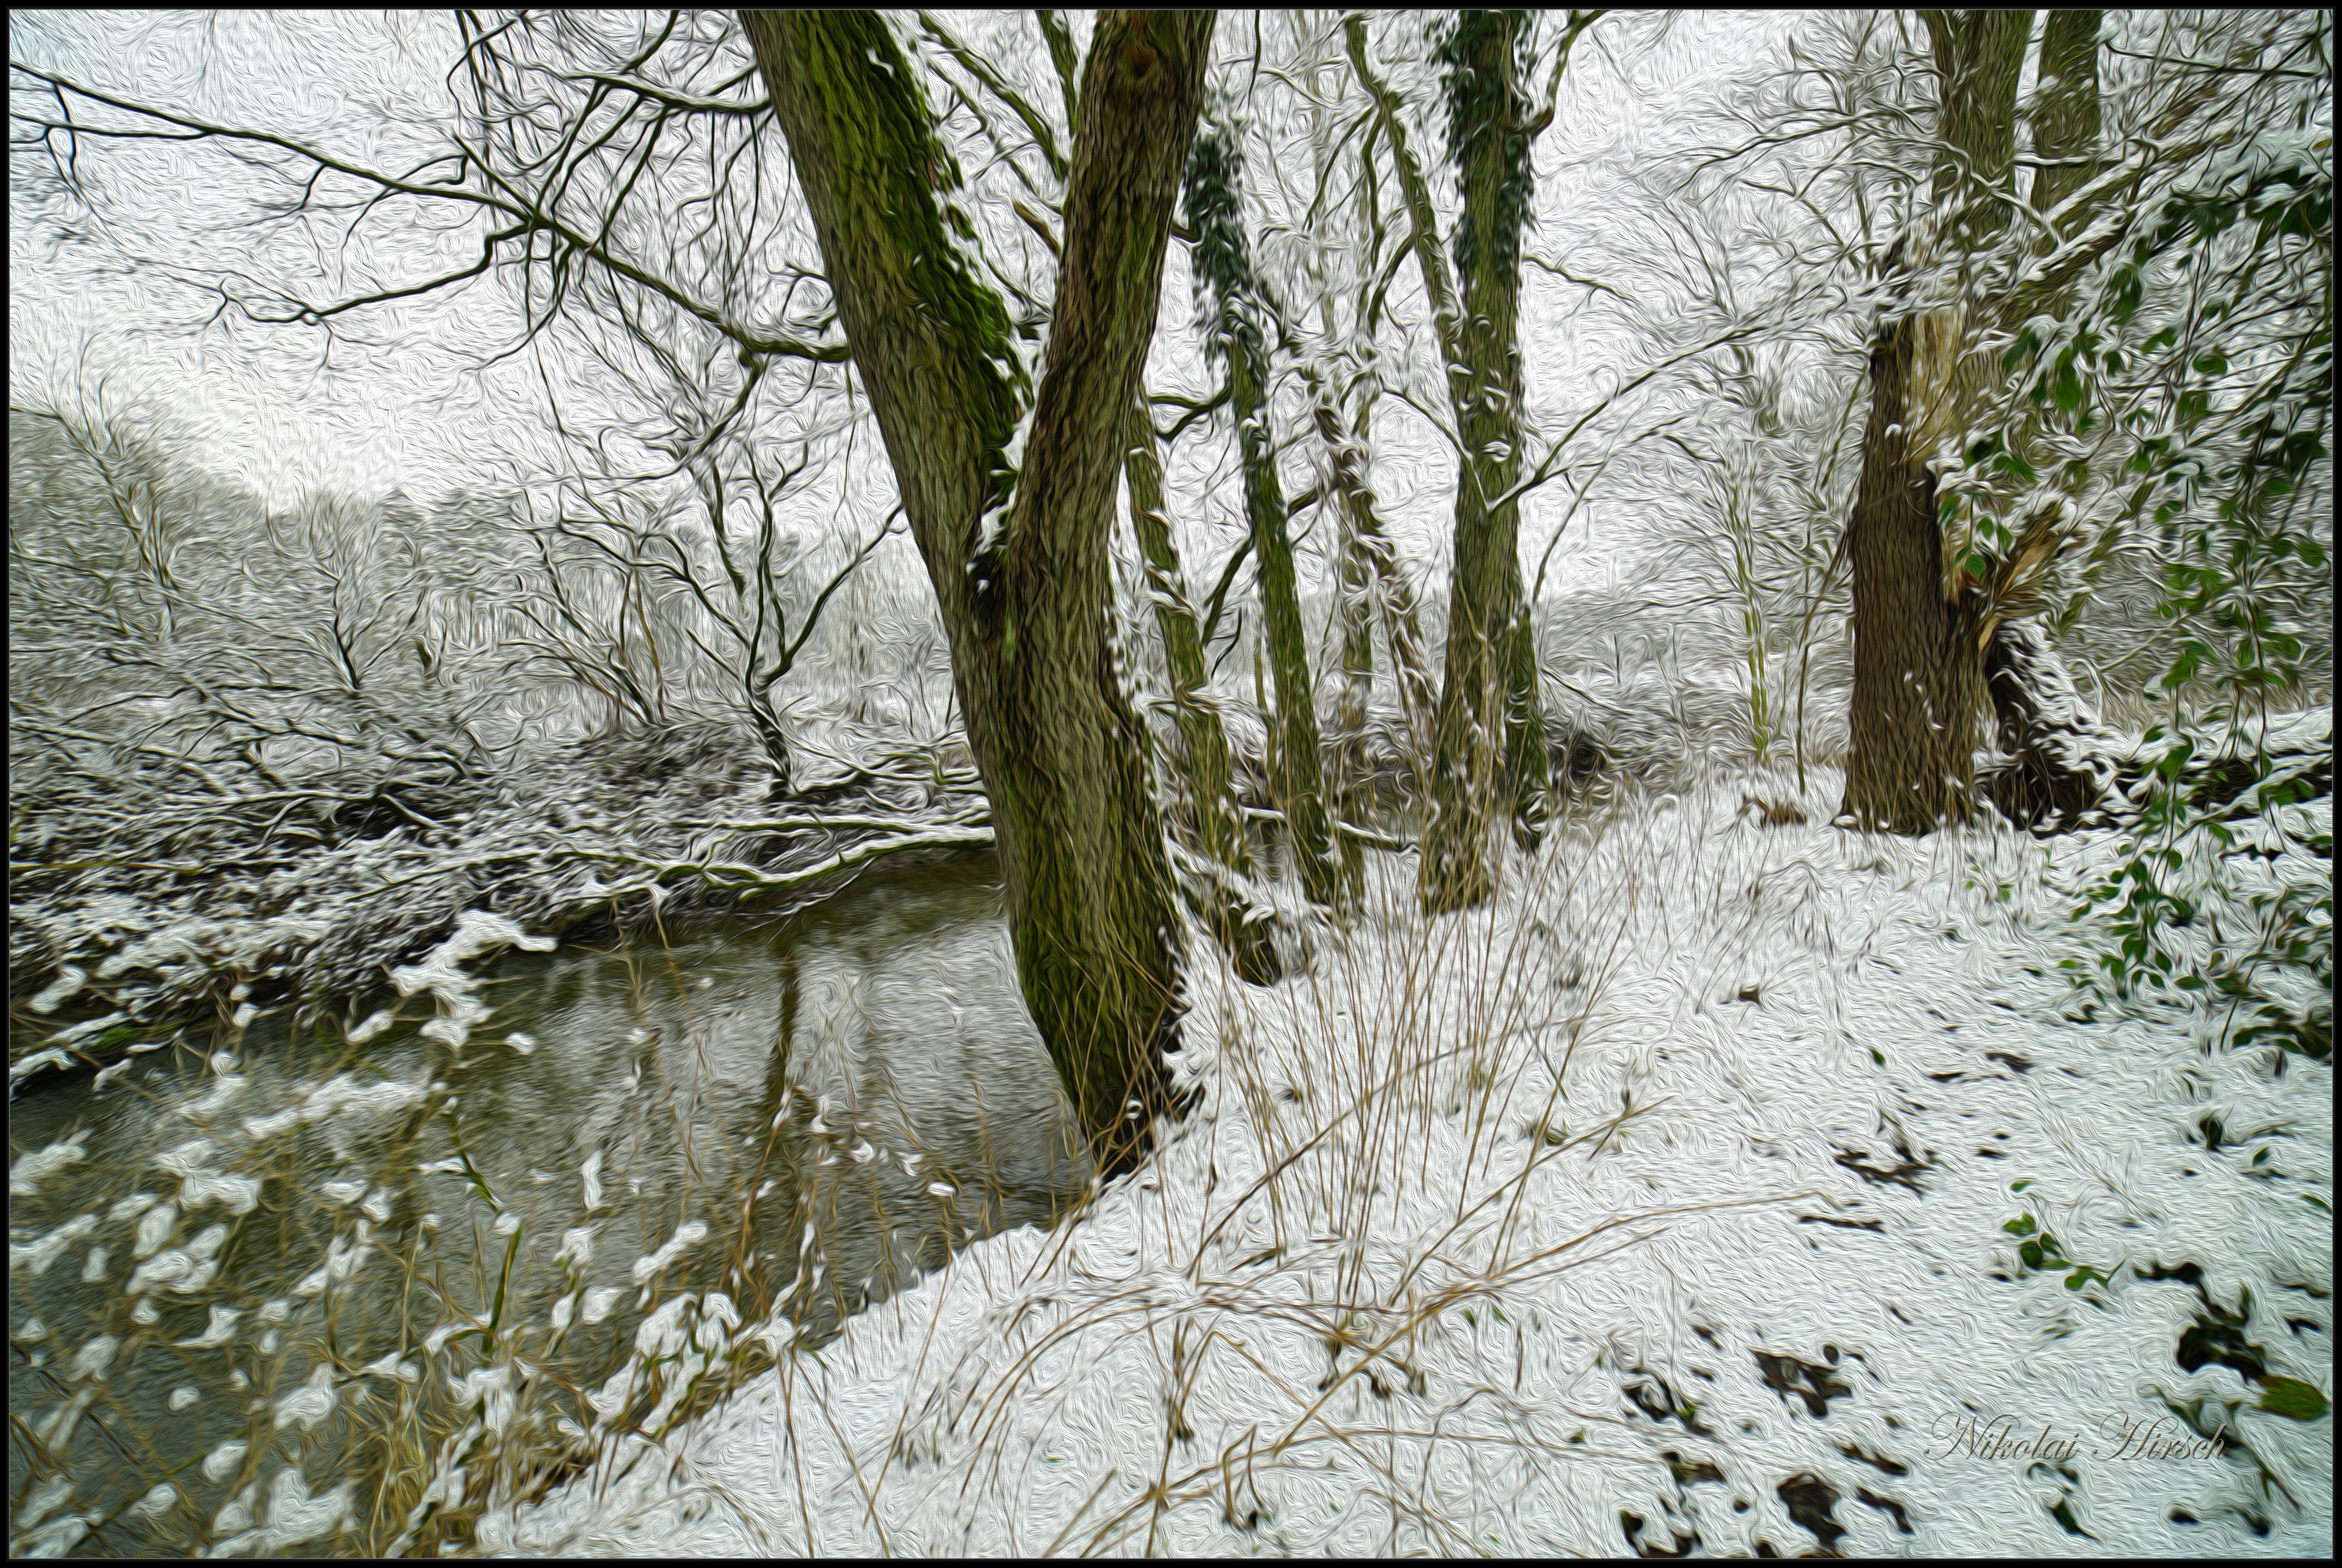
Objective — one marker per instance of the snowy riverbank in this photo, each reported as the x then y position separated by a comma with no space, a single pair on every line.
1740,1187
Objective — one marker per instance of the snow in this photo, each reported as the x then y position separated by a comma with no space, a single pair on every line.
1686,1183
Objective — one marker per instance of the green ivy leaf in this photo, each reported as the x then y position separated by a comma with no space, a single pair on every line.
2291,1398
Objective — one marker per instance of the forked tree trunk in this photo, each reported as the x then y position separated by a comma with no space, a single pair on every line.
1491,733
1488,742
1030,612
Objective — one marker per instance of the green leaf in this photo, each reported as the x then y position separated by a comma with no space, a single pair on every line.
2019,1186
2024,1225
2291,1398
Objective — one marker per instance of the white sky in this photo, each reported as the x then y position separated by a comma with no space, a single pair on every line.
397,398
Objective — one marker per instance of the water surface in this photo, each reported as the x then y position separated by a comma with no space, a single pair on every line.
802,1113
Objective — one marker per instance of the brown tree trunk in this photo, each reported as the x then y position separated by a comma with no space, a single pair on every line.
1029,611
1918,640
1917,679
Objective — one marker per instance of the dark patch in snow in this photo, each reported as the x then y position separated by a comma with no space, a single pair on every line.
1678,1546
1886,1505
1834,1220
1990,1154
1656,1400
1787,1375
1905,1173
1877,1462
2217,1334
2006,1059
2221,1340
1809,1500
1690,1472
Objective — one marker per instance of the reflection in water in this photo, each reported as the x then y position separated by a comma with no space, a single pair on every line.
434,1228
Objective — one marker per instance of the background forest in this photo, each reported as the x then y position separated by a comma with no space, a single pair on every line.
1331,503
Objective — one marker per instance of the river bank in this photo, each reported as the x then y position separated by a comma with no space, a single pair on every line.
110,957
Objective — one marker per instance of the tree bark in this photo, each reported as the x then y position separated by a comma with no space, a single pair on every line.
1221,257
2066,119
1489,697
1212,822
2059,766
1028,609
1354,616
1488,751
1393,596
1919,639
1918,681
1299,771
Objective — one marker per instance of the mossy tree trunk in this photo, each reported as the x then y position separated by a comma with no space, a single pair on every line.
1027,599
1221,257
1488,748
1212,822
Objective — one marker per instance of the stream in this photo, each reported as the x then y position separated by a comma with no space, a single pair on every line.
341,1256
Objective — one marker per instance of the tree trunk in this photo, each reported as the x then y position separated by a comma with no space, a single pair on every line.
1918,641
1488,750
1354,616
1917,677
2059,766
1298,770
2060,755
1489,699
1221,257
1028,610
2066,118
1393,596
1214,824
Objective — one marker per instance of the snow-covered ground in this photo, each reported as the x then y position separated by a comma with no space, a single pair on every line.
1756,1187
